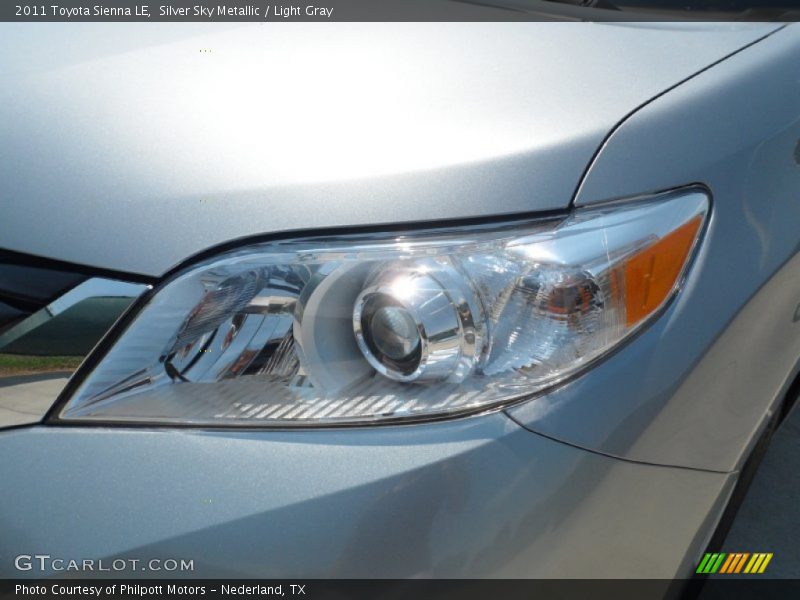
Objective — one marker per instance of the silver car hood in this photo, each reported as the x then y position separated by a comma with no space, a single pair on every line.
132,148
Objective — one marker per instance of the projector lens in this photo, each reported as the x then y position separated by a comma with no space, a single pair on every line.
416,322
393,333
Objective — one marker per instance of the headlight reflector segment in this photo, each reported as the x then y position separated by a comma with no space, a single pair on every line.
365,328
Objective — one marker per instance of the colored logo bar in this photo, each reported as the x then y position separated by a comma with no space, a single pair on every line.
734,562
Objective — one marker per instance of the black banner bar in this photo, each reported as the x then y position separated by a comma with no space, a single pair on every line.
473,589
393,10
254,11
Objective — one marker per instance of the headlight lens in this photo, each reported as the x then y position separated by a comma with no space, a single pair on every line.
366,328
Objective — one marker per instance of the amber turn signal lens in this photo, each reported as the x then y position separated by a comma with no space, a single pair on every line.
651,274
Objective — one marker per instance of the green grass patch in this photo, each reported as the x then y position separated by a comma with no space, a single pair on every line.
18,364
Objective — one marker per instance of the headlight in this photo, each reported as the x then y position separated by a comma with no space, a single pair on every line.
370,327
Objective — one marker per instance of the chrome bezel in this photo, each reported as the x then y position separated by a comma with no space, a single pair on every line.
449,349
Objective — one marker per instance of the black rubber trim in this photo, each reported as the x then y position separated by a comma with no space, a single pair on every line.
406,227
12,257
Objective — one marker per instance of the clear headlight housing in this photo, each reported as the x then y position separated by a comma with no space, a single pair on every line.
367,328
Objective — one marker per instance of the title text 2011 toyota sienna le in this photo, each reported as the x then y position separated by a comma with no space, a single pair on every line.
394,300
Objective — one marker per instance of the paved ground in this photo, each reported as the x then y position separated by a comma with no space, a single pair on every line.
30,397
769,518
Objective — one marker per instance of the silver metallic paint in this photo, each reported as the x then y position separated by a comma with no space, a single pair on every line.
695,388
288,126
477,497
